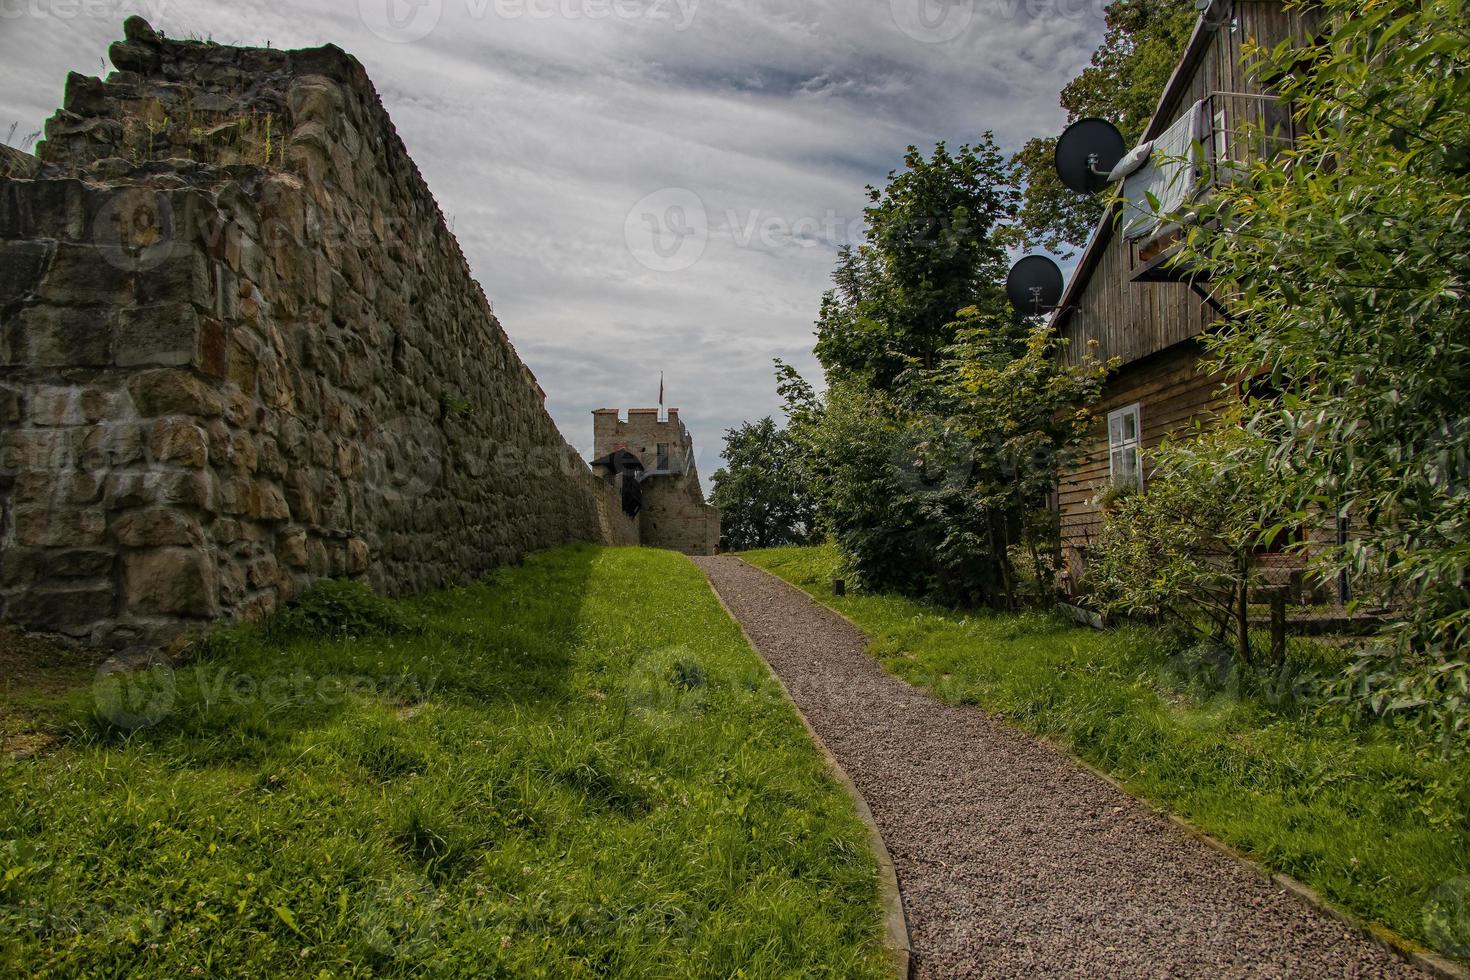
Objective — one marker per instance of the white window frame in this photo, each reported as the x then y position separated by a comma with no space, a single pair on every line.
1123,444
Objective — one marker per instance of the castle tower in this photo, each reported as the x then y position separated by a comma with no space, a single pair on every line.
672,511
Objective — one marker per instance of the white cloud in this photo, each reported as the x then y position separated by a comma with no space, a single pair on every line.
538,126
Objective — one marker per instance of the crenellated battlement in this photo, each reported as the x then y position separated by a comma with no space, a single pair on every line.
675,513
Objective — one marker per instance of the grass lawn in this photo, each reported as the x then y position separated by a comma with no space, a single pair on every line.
1378,826
575,769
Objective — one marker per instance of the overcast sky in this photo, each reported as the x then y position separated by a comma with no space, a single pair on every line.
640,185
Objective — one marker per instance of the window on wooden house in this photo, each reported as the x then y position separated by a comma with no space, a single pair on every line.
1125,438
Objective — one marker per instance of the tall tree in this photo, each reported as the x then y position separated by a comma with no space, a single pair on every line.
931,249
760,492
1144,41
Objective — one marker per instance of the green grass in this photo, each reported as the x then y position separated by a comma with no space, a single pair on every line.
1378,825
576,769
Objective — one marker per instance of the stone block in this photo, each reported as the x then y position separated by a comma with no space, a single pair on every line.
18,567
318,557
112,444
171,582
155,528
44,526
72,612
101,404
135,28
85,95
194,488
178,441
125,491
258,607
237,497
84,275
359,556
263,573
291,548
10,405
53,406
243,452
226,530
79,487
270,503
173,392
137,56
60,337
303,501
181,276
22,266
43,209
167,335
76,564
231,583
214,338
269,458
244,364
83,487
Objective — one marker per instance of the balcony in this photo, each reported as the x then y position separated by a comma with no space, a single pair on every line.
1209,145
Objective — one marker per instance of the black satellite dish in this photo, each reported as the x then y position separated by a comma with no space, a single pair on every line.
1087,152
1034,285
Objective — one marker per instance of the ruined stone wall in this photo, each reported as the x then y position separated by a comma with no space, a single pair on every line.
240,351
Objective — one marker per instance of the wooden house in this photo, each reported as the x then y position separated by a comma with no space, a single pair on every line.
1123,301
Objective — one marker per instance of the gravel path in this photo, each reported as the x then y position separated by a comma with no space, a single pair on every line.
1012,859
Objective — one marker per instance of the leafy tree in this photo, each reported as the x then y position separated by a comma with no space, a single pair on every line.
945,416
760,492
1344,263
1129,70
931,249
930,494
1024,414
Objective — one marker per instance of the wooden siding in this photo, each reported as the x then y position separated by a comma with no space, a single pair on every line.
1172,394
1131,320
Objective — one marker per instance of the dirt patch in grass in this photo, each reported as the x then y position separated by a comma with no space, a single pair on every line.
38,678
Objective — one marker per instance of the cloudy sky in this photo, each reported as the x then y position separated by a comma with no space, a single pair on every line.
640,185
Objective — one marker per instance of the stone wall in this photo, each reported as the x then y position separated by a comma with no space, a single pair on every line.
675,514
240,351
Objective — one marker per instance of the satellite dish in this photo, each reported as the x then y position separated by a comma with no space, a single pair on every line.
1087,152
1034,285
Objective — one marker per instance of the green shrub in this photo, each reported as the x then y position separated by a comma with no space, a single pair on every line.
1183,550
336,608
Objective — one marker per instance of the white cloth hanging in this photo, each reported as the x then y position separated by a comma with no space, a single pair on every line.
1171,174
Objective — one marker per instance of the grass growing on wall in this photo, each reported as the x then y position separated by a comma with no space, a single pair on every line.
1377,825
576,769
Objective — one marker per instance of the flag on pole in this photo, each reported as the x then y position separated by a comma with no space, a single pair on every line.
660,389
